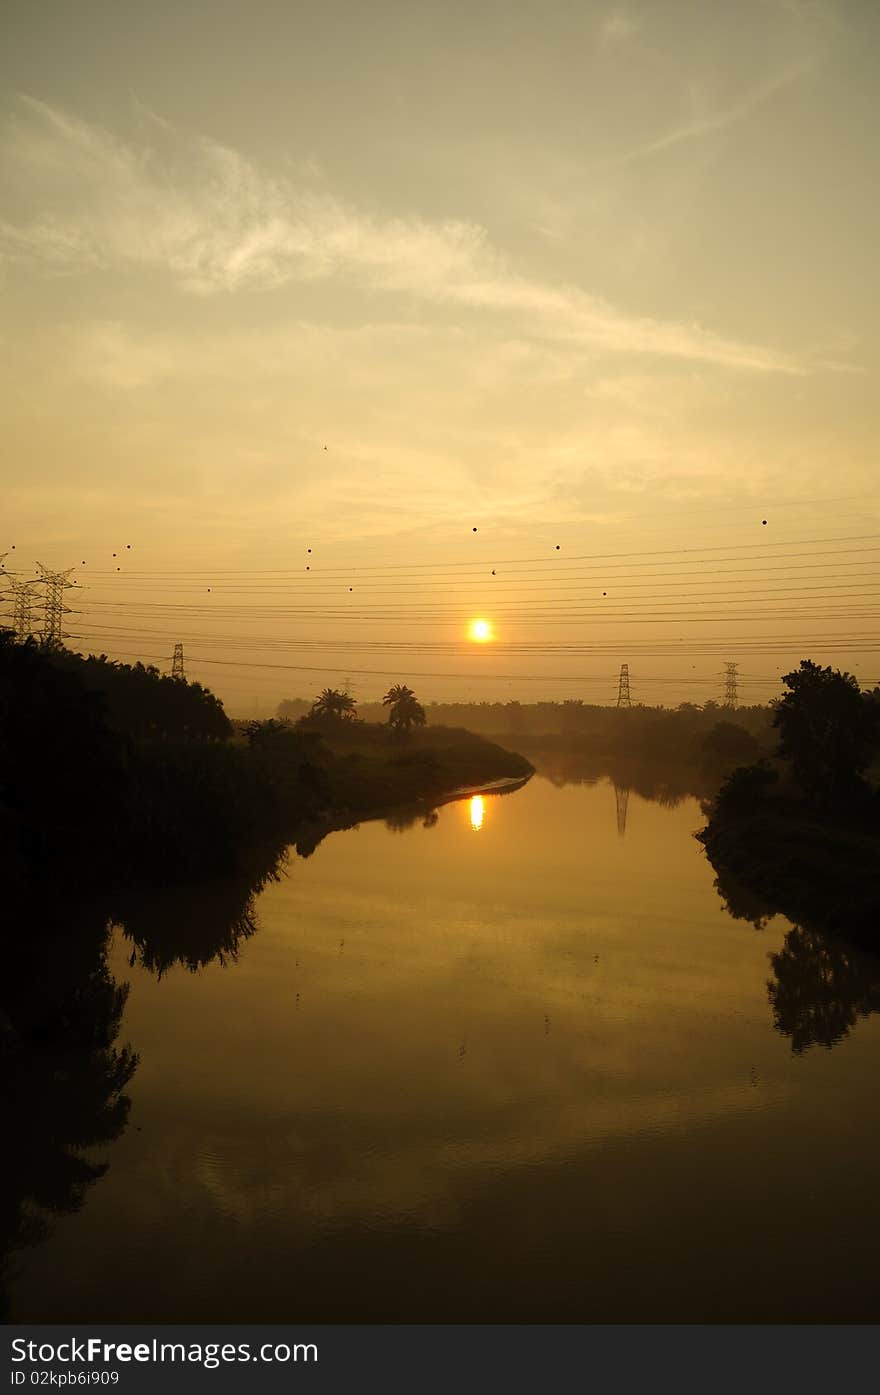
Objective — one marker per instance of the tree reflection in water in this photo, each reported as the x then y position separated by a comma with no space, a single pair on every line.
821,985
62,1076
820,988
191,926
665,783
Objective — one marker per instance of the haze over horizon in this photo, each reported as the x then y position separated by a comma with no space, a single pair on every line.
596,281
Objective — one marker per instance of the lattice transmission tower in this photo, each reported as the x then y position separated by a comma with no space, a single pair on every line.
177,666
23,600
4,572
730,685
623,697
56,584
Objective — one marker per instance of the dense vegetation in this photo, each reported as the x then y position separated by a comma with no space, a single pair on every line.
370,767
571,718
112,770
800,832
696,744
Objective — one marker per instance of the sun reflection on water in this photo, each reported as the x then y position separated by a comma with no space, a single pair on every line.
477,810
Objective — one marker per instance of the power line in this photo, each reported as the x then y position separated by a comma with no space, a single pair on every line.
692,568
381,672
765,545
604,604
679,618
547,593
773,643
691,587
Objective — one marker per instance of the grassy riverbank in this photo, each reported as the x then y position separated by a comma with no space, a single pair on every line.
369,771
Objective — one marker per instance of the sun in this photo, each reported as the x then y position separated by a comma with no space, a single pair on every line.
480,631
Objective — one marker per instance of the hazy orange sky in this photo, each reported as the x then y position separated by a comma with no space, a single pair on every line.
597,280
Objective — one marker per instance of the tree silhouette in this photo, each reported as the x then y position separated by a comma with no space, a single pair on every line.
405,709
143,703
335,706
62,769
827,730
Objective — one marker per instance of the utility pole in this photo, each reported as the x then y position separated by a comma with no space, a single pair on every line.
730,685
623,698
56,584
177,668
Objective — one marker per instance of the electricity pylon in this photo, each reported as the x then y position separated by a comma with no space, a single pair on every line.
23,599
623,698
730,685
3,571
56,584
177,668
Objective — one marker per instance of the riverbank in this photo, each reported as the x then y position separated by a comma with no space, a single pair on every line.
370,772
182,811
114,775
400,815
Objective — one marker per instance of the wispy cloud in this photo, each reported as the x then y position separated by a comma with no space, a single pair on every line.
708,122
215,222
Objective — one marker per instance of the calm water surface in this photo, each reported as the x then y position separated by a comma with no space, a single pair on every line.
520,1065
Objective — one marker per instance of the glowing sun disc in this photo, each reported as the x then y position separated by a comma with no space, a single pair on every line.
480,630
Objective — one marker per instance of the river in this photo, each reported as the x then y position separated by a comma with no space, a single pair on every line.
513,1062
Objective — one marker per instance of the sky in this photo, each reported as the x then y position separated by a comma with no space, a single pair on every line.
595,280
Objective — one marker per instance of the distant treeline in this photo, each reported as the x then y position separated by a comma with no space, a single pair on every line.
572,717
709,735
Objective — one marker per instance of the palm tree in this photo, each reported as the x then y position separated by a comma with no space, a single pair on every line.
406,710
336,705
